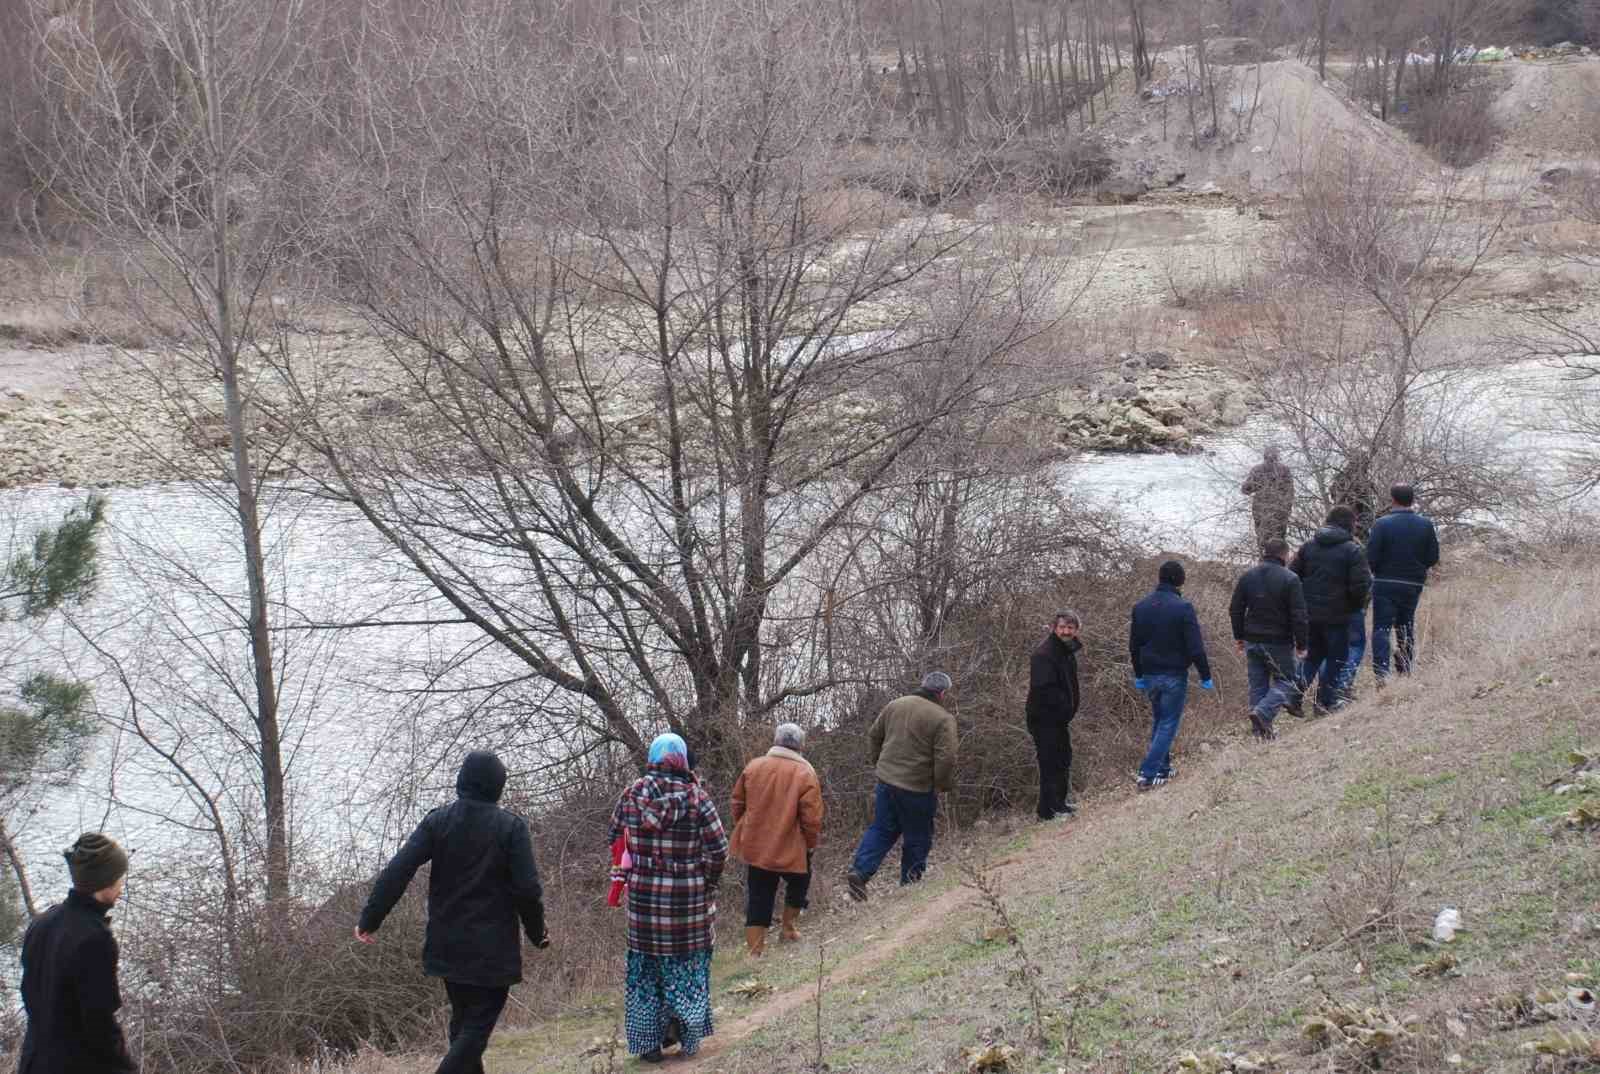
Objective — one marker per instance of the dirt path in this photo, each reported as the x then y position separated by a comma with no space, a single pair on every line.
926,918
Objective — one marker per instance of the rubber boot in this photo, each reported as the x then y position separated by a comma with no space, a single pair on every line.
790,934
755,940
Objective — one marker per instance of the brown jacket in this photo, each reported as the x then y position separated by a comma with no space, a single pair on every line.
777,812
913,744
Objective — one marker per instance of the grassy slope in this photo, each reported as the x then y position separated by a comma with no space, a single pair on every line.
1224,910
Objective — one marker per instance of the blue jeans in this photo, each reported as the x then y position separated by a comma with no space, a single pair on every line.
1394,610
1358,649
1325,661
897,813
1166,694
1272,677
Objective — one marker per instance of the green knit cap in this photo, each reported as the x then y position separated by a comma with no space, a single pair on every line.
96,862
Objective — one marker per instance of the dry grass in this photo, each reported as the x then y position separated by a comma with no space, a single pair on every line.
1230,907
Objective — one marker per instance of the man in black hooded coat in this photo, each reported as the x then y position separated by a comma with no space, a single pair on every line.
1337,583
482,886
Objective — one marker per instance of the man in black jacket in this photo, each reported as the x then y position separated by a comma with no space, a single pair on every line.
483,883
1163,641
1052,703
1333,572
1268,611
69,971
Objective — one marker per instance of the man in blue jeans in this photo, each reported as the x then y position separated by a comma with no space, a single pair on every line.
1163,640
913,752
1401,549
1271,628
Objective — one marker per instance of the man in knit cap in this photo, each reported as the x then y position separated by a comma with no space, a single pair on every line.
69,971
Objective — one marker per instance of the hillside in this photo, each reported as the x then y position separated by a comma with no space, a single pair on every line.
1263,888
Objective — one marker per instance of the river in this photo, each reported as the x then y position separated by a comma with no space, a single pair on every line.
353,750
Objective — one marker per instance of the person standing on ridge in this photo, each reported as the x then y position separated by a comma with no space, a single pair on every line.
1333,570
777,822
1052,703
1403,547
1270,487
1268,613
482,890
69,971
1163,640
912,747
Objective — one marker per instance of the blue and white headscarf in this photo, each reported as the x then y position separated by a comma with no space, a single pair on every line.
670,751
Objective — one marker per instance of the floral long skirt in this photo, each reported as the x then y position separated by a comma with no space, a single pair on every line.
663,988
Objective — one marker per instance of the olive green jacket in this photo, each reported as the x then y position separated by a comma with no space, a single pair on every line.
913,744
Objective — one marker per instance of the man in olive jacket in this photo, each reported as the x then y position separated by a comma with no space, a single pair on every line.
1052,703
69,971
482,885
913,748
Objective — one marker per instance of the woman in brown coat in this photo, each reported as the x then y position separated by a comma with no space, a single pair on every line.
777,812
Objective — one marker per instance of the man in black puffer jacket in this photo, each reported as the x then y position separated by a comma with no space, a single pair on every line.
483,884
1333,570
1268,612
1052,703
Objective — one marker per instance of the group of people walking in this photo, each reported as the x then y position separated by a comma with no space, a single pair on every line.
1295,618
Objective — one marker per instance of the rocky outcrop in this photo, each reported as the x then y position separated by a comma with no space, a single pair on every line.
1150,402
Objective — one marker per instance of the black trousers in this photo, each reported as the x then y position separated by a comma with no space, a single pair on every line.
474,1009
1052,742
761,891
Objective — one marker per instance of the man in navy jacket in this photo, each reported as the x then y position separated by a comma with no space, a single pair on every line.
1402,547
1163,640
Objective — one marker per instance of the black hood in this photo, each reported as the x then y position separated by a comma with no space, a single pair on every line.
482,777
1331,535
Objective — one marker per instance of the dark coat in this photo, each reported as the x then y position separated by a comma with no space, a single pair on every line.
483,882
1268,606
1402,547
1164,637
69,988
1334,573
1053,681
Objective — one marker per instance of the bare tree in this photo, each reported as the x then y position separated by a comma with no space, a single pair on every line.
170,125
656,362
1403,246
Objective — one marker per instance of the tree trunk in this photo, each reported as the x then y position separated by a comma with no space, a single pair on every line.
270,758
18,869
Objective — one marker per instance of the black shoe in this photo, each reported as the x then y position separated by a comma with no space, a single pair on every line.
858,886
652,1056
1150,784
1261,726
674,1033
1298,709
1066,809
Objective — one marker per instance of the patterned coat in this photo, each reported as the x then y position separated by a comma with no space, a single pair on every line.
678,848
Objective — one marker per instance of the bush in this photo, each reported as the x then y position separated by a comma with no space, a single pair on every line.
1456,124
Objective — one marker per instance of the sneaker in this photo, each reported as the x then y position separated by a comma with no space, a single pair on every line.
1150,784
858,886
652,1056
1066,809
1171,773
1261,726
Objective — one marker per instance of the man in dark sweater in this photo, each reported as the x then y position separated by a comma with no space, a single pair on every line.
1401,550
483,885
1268,612
1333,572
1163,640
69,971
1052,703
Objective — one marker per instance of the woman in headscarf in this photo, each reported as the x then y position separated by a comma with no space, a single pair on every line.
677,847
